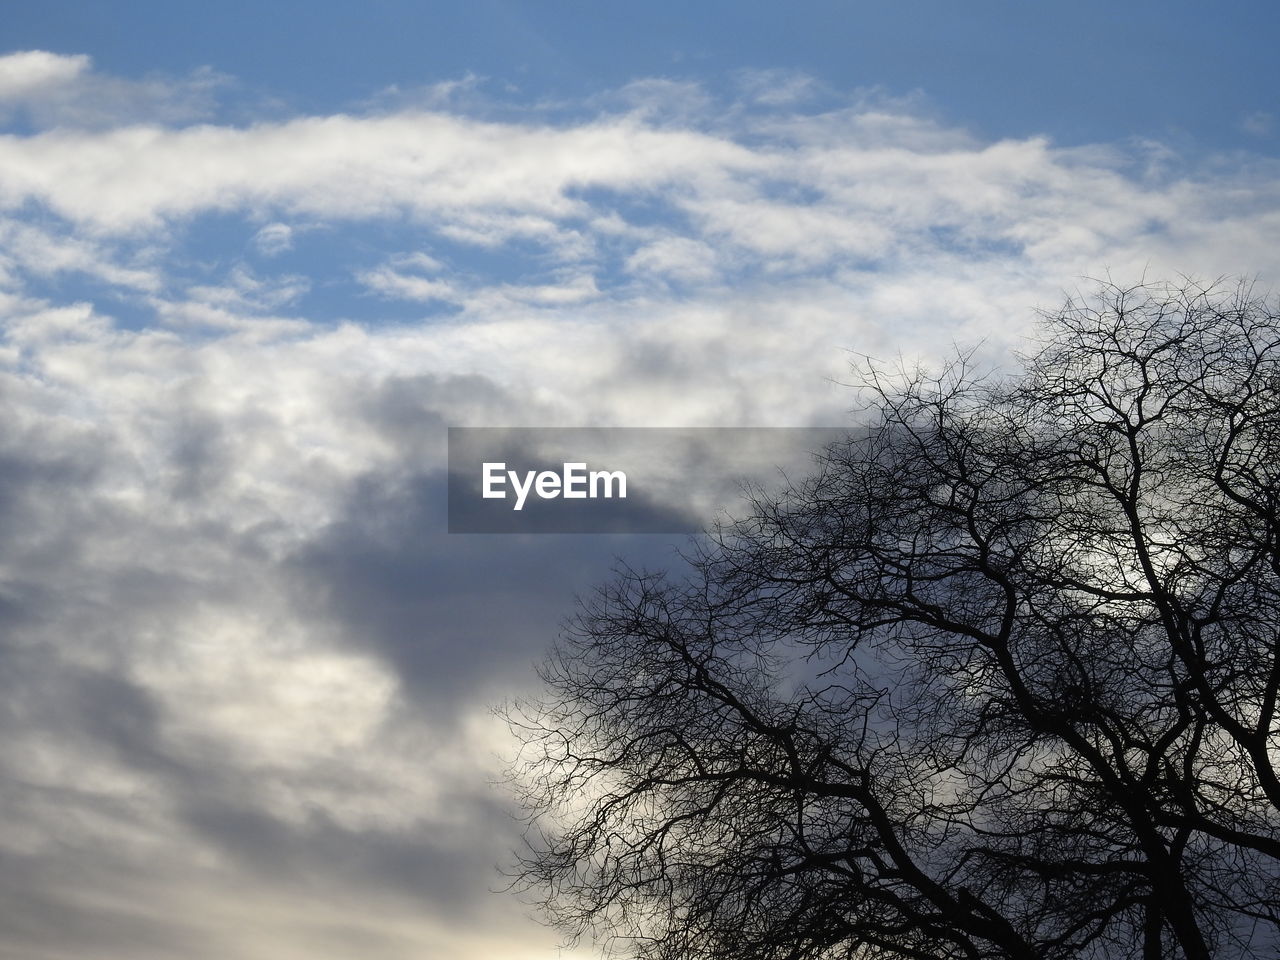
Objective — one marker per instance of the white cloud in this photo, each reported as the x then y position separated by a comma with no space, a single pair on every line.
249,293
429,165
571,290
35,71
776,87
57,90
41,250
793,195
395,284
677,258
274,239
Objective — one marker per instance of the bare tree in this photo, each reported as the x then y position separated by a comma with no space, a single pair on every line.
1000,680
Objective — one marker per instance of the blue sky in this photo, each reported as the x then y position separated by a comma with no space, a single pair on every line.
1079,72
255,257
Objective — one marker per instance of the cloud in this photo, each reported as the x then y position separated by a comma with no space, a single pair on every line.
390,282
45,250
675,258
774,192
247,674
32,73
776,87
56,90
426,164
274,239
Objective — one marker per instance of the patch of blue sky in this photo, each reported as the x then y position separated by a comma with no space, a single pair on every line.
18,123
975,245
1080,72
399,270
318,263
656,207
788,191
126,309
340,261
207,245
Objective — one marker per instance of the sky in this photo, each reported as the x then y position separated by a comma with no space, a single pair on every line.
256,257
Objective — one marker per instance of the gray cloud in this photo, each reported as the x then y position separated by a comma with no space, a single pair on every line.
462,617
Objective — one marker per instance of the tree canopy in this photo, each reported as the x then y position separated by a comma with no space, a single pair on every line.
1000,679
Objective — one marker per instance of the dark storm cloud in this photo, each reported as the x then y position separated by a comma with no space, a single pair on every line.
415,409
461,617
444,868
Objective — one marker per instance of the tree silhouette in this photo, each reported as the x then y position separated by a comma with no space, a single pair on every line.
1000,679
